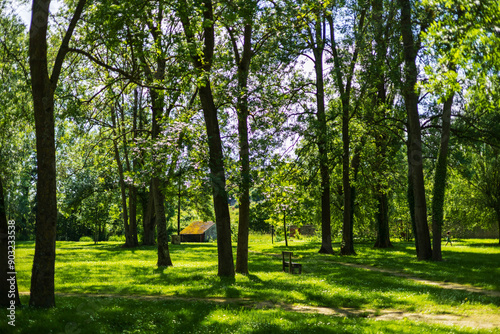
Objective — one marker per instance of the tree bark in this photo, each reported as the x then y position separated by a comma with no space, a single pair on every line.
322,139
415,138
43,88
149,218
497,210
382,216
218,180
355,164
242,110
123,188
132,189
411,197
284,228
347,246
158,197
8,276
132,206
440,181
164,259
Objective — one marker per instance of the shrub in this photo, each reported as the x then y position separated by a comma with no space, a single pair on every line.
86,239
120,238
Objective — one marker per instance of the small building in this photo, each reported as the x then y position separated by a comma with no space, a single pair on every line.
199,231
308,230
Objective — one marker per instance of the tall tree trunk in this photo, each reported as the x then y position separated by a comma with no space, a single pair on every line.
43,88
284,228
411,197
355,164
8,277
243,63
161,222
415,137
158,197
497,210
203,65
123,187
132,206
440,181
382,219
218,180
322,140
148,218
382,215
347,247
179,194
132,189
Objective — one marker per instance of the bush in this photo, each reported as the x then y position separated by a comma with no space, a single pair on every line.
86,239
120,238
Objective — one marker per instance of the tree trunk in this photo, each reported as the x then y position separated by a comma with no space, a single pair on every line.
8,278
132,189
179,205
218,180
161,222
132,206
123,188
415,138
382,218
498,218
440,181
411,198
149,218
203,65
242,110
355,163
347,247
284,228
158,197
42,88
322,140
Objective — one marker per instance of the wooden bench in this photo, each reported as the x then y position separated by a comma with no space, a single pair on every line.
287,263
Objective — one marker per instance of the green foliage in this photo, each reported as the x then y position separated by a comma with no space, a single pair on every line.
86,239
117,238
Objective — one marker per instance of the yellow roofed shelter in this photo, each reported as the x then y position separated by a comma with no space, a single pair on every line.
199,231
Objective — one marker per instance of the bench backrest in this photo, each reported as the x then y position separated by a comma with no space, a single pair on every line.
288,255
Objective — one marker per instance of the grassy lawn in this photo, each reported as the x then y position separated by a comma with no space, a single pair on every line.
108,269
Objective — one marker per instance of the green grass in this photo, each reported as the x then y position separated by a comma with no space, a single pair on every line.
118,315
107,268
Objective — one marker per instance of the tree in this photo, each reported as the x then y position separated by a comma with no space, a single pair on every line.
202,61
345,90
415,158
43,88
316,39
464,34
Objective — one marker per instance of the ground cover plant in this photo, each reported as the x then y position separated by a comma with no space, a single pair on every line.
200,301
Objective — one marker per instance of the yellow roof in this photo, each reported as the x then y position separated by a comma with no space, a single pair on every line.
197,227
